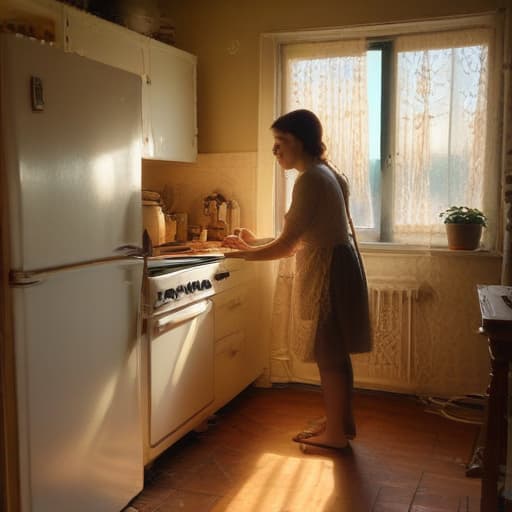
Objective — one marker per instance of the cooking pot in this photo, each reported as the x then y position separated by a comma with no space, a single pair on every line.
153,220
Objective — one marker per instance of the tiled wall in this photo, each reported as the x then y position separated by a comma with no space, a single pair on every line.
231,174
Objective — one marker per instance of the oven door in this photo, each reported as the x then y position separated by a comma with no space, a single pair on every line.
181,367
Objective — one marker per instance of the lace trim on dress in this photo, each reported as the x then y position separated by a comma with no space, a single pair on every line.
309,298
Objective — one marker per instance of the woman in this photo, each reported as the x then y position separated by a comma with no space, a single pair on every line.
329,313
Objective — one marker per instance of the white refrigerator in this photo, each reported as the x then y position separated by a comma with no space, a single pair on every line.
71,158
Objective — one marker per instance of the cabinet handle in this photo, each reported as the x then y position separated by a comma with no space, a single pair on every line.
173,319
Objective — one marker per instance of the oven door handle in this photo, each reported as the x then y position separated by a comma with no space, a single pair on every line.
178,317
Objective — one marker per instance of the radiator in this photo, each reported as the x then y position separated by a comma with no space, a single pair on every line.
390,364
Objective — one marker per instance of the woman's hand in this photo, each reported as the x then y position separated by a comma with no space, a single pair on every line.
246,235
235,242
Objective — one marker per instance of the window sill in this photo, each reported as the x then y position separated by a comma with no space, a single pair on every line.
390,249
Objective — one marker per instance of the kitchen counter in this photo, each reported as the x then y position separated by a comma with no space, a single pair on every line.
191,247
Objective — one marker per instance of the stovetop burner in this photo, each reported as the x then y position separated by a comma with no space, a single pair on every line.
160,266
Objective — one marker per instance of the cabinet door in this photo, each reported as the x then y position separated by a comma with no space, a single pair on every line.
106,42
171,95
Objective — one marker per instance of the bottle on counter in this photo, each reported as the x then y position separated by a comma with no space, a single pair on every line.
233,216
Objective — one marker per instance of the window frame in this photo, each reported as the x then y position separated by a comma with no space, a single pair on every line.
270,181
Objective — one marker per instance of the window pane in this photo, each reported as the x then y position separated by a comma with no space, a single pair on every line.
441,131
374,87
334,86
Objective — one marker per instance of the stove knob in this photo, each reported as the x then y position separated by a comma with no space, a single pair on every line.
196,285
206,284
171,293
160,296
190,288
180,289
222,275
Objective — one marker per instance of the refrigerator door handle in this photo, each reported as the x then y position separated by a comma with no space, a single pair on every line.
31,277
19,278
130,250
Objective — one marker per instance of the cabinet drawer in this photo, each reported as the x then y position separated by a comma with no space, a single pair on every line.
231,312
229,367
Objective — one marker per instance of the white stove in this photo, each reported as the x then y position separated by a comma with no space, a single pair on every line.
179,346
175,282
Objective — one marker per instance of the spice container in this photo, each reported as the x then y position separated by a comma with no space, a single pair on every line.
193,232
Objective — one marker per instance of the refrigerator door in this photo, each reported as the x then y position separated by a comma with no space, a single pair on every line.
77,363
72,147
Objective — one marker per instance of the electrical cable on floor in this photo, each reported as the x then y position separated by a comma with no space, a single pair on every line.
464,409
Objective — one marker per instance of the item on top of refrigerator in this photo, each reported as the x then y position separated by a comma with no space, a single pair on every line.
17,21
167,32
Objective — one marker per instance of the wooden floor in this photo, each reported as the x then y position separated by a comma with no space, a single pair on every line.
404,459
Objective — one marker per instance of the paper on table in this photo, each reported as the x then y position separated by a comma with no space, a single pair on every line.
495,302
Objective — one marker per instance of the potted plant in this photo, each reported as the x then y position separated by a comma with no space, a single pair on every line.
463,227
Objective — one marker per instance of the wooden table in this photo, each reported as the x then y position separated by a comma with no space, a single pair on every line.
496,309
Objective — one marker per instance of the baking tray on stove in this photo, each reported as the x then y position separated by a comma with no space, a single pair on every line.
164,264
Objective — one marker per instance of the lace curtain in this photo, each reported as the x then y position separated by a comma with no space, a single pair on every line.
329,78
441,131
442,126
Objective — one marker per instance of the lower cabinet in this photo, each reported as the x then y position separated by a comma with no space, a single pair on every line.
226,357
229,367
239,359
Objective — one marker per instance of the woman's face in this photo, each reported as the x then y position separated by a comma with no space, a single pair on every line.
287,149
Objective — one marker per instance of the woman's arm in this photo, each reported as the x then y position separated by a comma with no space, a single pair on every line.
276,249
244,239
250,238
281,247
307,192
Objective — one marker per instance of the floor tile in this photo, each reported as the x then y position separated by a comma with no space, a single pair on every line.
403,459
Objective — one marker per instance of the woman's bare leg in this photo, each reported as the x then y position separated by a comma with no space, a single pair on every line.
318,426
337,391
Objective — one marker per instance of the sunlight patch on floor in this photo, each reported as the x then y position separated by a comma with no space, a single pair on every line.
280,482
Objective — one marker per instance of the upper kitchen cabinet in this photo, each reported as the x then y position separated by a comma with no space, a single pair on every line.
106,42
168,75
169,102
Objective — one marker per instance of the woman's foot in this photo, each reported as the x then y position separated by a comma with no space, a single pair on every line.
340,445
317,426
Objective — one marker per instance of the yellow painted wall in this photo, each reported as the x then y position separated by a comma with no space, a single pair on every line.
449,357
224,34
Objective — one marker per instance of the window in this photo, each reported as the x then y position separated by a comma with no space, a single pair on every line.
406,118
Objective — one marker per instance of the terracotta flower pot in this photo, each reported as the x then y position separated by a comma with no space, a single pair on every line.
464,236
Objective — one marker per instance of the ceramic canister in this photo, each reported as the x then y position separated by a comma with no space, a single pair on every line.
153,220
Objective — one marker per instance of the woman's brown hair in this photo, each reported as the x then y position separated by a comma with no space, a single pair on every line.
305,126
